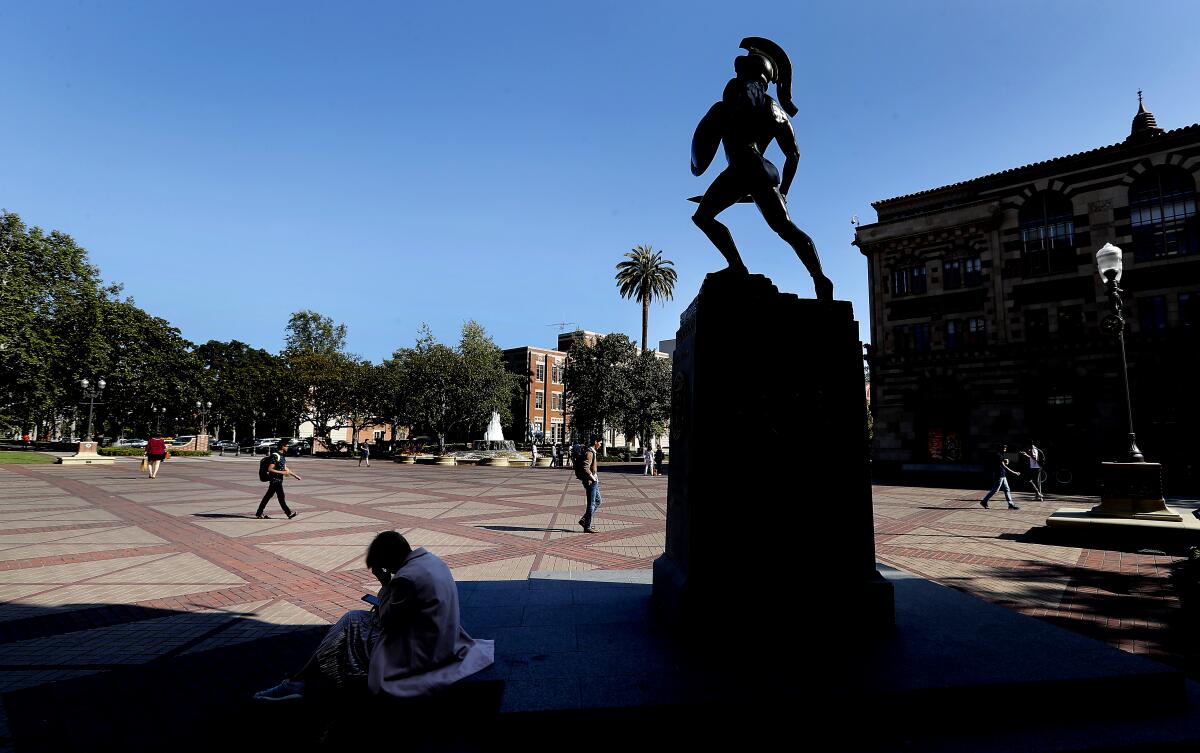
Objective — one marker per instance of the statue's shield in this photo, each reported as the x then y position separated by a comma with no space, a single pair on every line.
707,138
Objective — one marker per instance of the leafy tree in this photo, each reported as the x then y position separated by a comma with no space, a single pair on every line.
452,389
645,275
50,300
245,382
395,396
147,363
310,332
318,369
433,372
487,386
596,384
363,397
648,388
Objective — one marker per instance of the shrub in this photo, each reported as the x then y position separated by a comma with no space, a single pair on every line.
128,452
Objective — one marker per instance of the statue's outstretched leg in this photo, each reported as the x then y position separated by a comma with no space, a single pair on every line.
774,211
722,194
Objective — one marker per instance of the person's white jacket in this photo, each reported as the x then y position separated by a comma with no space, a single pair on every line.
423,647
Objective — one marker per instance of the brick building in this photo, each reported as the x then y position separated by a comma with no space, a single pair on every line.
985,307
540,408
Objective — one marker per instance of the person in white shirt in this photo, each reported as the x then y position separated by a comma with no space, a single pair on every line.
1036,460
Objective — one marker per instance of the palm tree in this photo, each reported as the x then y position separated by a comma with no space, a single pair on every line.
645,275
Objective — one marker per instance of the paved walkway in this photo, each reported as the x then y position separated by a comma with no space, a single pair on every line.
102,568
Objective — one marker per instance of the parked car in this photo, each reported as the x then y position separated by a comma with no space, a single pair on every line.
130,442
228,445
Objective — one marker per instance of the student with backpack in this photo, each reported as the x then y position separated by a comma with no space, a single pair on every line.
273,470
587,471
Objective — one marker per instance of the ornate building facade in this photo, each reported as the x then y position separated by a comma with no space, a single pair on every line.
985,307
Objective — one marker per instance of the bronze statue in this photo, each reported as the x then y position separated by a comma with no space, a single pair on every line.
746,120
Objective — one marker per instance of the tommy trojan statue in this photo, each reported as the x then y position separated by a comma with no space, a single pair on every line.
746,120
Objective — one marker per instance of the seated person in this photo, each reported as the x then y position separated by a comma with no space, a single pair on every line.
411,644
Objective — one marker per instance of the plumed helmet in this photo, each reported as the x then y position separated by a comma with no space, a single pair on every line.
770,61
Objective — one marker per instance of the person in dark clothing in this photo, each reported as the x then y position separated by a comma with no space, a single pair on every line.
1001,470
279,471
658,461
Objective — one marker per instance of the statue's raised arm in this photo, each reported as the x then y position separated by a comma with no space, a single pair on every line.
745,121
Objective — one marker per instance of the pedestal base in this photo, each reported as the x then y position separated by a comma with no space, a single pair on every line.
1131,496
85,455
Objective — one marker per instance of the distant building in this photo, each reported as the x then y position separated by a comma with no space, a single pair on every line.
539,409
985,307
667,347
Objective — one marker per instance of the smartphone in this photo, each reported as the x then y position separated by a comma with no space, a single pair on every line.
371,599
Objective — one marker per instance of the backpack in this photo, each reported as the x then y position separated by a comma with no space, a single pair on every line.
578,463
263,473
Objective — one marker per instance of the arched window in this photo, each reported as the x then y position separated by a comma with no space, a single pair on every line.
1162,210
1047,233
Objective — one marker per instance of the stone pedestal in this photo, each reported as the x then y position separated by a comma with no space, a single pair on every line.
1131,497
768,417
86,455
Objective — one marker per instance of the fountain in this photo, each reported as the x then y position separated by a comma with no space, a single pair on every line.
493,437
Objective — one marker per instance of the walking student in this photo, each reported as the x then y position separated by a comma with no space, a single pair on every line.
1001,470
1037,459
587,470
648,458
277,471
658,461
156,453
364,454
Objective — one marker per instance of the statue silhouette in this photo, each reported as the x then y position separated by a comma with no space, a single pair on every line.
745,121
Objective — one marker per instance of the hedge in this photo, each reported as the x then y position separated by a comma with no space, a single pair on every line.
139,451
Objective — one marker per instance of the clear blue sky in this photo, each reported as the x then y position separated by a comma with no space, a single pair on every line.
394,163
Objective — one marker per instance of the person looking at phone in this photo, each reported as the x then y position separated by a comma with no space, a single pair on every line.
411,644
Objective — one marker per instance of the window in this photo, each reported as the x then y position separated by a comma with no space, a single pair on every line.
539,399
922,339
909,280
1162,211
1070,321
556,401
1189,312
1152,313
976,335
952,275
972,271
378,435
541,372
556,372
1037,325
962,273
954,334
1047,233
535,431
556,430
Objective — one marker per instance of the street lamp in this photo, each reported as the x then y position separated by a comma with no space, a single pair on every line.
92,396
1108,263
202,408
158,414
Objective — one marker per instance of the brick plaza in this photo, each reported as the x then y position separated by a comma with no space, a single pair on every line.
101,568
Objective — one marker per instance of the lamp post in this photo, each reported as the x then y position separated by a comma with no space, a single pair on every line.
158,413
202,408
92,395
1108,263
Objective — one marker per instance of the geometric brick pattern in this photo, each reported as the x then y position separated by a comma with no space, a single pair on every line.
101,567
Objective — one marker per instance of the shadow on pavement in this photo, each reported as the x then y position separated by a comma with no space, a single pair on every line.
556,643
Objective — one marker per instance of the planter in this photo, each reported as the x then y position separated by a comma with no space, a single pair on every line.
445,460
543,462
406,459
468,461
497,462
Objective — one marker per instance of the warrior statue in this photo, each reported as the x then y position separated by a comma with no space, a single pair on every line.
746,120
